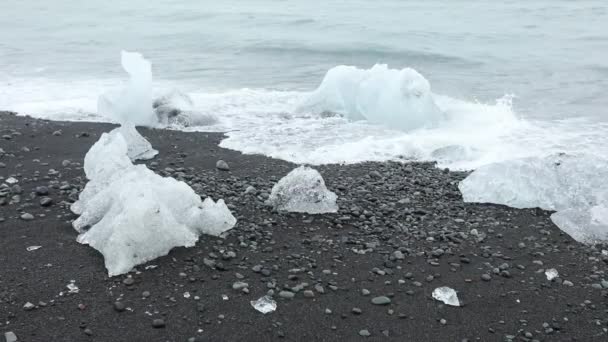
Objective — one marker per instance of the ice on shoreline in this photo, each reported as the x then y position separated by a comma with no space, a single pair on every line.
574,186
132,103
303,190
134,215
399,99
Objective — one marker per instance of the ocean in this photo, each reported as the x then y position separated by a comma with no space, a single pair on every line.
514,78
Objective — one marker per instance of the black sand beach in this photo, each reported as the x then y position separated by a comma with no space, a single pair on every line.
402,231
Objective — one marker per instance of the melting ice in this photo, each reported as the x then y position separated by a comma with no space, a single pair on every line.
303,190
135,215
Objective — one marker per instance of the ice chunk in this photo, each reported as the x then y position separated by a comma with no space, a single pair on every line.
574,186
264,305
11,180
303,190
551,274
399,99
138,148
133,103
135,215
177,108
446,295
33,248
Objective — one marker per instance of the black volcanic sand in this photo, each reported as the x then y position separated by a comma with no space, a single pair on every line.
402,230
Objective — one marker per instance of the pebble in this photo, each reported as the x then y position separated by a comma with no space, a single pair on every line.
381,300
486,277
119,306
10,336
286,294
222,165
239,285
29,306
128,281
46,201
27,217
364,333
158,323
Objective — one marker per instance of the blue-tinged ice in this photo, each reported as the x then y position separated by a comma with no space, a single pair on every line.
399,99
574,186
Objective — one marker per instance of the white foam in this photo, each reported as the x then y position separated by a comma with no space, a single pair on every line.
259,121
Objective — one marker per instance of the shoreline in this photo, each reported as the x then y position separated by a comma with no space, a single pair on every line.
402,231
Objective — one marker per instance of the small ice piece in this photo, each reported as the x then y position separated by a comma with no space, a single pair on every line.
551,274
11,180
132,215
72,287
33,248
399,99
138,148
225,297
133,103
446,295
264,305
303,190
186,295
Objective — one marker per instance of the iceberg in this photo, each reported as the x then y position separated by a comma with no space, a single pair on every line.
399,99
132,103
573,186
177,108
303,190
134,215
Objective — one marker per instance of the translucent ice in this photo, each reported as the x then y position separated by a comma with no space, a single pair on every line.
264,305
178,108
446,295
133,103
138,148
574,186
135,215
400,99
551,274
303,190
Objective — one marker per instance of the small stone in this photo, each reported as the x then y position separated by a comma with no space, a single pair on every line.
222,165
42,190
364,333
365,292
29,306
486,277
381,300
239,285
119,306
568,283
309,294
88,332
46,201
27,217
286,294
357,311
128,281
10,336
158,323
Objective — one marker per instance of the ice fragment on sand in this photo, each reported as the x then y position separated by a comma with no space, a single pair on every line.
446,295
33,248
264,305
132,103
72,288
400,99
303,190
135,215
11,180
574,186
551,274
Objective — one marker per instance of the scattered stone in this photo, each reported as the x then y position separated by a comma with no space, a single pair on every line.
158,323
222,165
381,300
364,333
27,217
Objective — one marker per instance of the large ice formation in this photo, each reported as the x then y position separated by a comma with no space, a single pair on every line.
135,215
178,108
303,190
574,186
399,99
132,103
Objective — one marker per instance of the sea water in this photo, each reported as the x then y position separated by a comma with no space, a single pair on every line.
514,79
